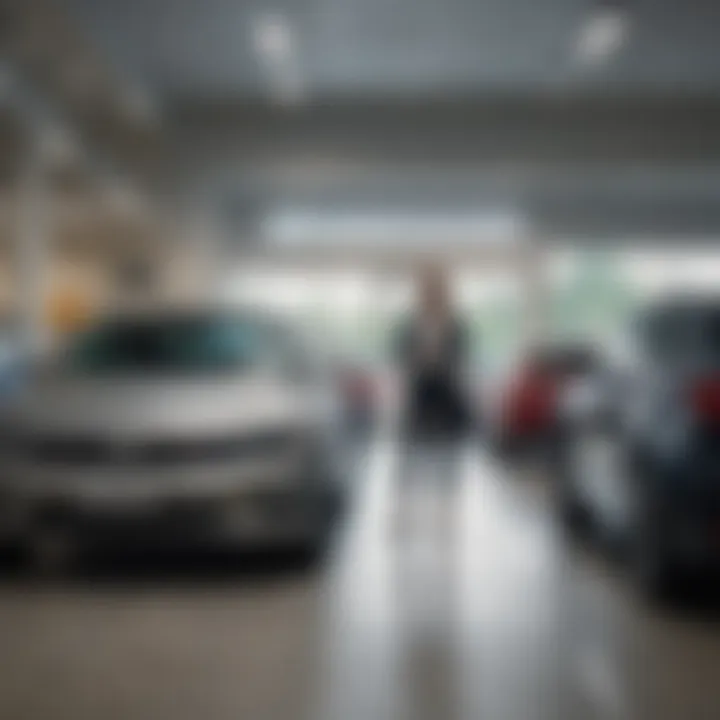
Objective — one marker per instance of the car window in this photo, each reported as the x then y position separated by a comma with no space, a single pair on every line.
668,336
685,334
709,334
183,343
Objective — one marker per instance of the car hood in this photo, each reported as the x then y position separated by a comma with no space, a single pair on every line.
162,407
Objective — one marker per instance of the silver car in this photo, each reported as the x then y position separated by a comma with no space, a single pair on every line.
176,428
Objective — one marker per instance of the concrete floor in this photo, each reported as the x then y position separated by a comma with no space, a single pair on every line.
463,603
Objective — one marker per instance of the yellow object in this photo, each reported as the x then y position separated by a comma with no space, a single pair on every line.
69,310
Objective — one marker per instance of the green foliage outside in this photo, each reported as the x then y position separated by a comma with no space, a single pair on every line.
590,303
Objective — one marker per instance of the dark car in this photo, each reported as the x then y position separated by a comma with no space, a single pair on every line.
641,458
525,410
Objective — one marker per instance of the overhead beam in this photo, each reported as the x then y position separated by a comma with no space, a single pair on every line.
521,131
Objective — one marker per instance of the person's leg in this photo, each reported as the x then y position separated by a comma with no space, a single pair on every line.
447,480
407,480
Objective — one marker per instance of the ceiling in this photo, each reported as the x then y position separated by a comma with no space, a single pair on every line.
204,48
440,105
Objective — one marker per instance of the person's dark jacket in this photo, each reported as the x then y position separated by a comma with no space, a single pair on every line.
436,397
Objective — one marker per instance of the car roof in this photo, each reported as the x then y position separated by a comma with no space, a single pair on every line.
683,303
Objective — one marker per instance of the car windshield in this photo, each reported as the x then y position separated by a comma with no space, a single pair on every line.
189,343
711,333
686,333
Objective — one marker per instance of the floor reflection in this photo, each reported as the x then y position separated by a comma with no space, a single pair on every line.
440,601
445,599
462,600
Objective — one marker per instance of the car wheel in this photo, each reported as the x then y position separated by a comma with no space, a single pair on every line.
574,516
317,547
51,553
654,569
312,553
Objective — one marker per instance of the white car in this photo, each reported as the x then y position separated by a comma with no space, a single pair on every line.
177,428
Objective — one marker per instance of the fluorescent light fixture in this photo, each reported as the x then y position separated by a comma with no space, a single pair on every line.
275,44
273,37
603,34
308,228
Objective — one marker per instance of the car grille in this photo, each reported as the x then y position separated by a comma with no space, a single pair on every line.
99,452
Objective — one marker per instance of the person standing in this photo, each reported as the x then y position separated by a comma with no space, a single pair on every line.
432,358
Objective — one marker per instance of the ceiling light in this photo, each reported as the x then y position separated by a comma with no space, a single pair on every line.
272,37
603,33
298,227
275,44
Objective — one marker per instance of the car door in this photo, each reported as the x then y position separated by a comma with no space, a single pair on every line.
600,446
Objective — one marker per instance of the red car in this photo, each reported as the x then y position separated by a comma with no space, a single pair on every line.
525,409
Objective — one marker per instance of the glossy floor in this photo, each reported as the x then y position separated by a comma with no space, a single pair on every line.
450,599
